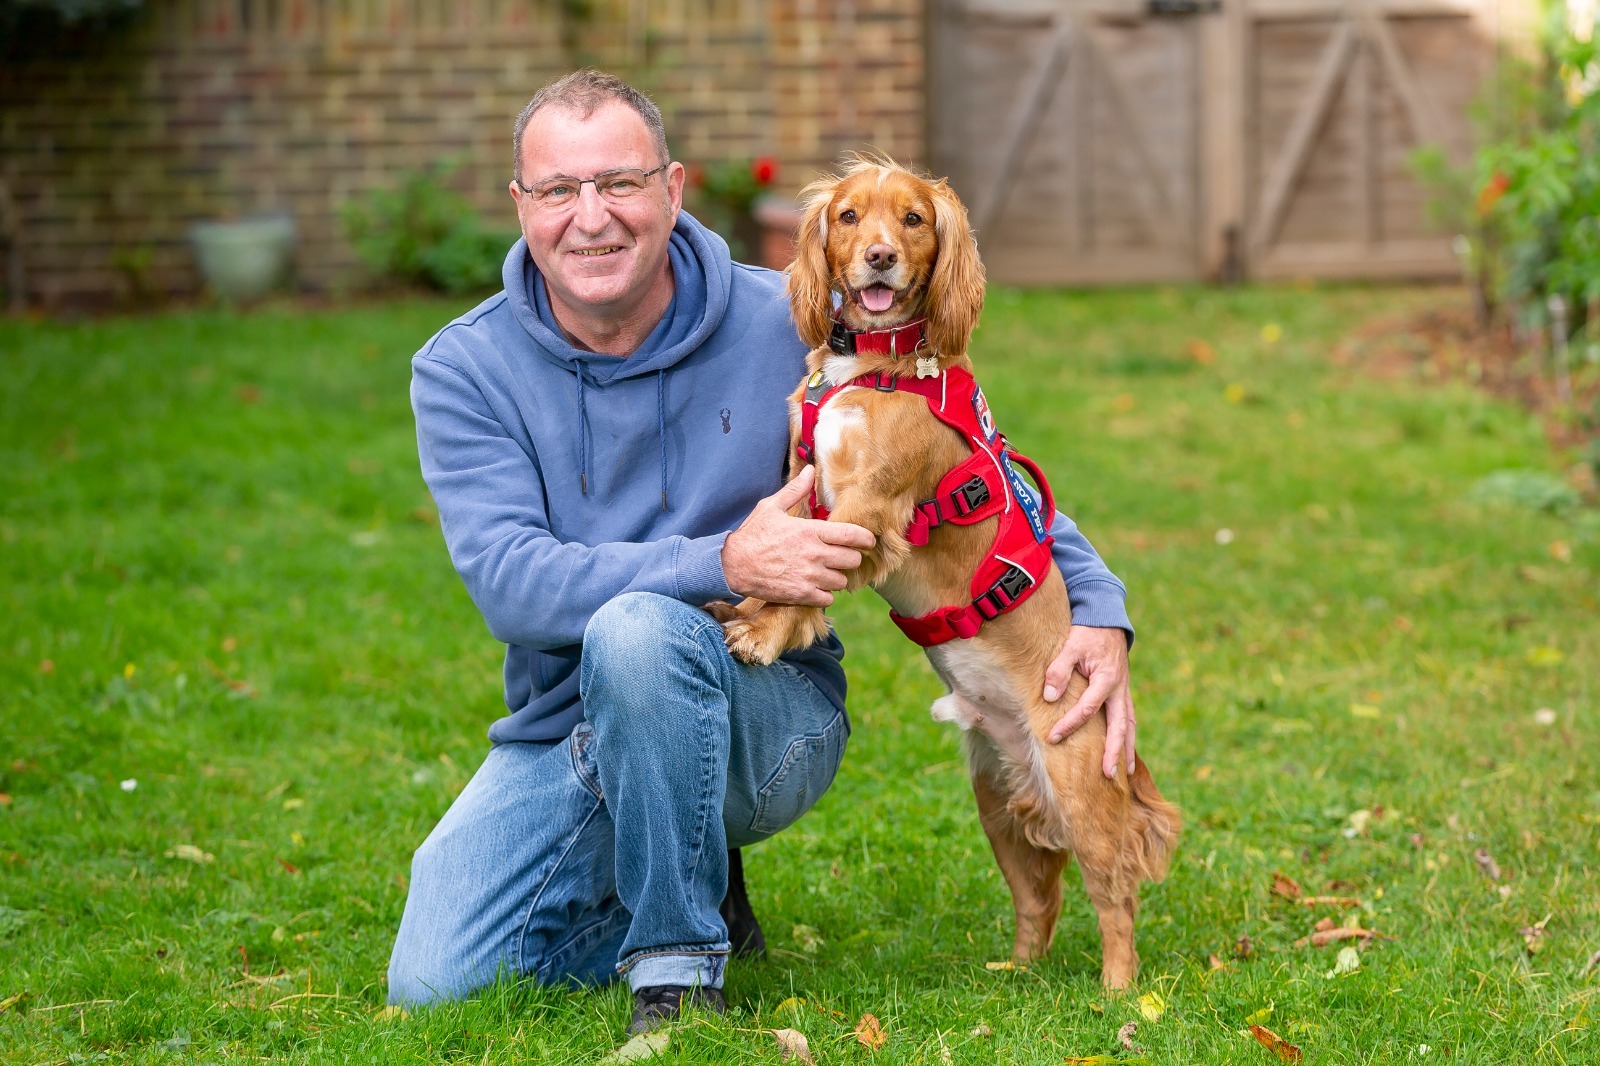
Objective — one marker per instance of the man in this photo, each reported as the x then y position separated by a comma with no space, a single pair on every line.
591,435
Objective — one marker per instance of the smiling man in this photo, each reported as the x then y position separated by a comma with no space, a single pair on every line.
591,436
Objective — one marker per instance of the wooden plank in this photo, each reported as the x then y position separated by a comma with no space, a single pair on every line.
1363,100
1224,60
1302,134
1041,87
1425,125
1146,179
1328,10
1422,258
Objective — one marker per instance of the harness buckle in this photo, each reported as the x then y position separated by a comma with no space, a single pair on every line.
884,382
842,339
1003,593
972,494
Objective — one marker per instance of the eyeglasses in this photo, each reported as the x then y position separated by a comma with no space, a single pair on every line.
613,185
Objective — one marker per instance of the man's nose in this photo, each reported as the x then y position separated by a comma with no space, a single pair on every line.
881,256
592,212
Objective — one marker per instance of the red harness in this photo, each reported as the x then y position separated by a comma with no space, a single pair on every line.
981,486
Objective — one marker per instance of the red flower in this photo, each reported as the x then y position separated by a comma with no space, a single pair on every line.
764,168
1491,192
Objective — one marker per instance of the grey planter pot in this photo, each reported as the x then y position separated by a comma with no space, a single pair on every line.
244,260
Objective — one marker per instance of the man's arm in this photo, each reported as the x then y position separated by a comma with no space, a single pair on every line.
539,592
1096,645
532,588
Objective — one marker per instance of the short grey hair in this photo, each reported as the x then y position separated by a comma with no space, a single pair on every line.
584,91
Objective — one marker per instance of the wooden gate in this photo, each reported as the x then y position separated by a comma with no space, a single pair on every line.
1143,140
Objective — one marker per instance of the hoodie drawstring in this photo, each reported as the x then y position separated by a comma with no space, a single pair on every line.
583,436
661,424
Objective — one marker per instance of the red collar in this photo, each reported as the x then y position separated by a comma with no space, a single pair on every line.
898,340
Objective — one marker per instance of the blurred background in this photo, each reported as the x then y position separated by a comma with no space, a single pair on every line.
1094,141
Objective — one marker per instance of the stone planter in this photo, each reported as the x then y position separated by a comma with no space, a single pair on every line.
244,260
778,220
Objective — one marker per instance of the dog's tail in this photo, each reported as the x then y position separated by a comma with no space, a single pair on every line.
1153,826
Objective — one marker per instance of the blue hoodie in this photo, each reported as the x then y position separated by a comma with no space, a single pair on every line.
565,478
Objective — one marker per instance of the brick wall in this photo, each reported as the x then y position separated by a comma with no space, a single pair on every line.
211,108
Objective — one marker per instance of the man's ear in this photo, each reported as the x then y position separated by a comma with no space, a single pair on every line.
675,178
810,294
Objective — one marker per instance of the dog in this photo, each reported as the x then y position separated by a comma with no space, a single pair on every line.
898,252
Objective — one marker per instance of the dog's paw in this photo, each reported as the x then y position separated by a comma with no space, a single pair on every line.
721,610
752,641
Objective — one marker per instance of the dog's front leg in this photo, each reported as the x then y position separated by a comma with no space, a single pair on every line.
761,633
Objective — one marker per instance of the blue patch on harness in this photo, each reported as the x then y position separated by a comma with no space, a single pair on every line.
980,407
1026,500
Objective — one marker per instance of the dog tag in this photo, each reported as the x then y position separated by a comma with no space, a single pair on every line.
927,366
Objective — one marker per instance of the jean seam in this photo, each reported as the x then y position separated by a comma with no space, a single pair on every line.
640,956
538,893
817,742
547,973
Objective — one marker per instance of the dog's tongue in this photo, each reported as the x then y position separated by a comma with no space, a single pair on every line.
877,298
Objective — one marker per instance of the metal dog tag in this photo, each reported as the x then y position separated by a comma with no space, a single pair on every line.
927,366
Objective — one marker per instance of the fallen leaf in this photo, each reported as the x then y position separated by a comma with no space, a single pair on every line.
1324,937
1271,333
5,799
1203,773
1561,551
189,853
1152,1006
869,1032
982,1030
1285,886
1244,947
792,1003
1357,823
1544,716
1235,393
793,1044
1533,935
11,1001
1125,1037
1276,1044
1544,655
1364,710
392,1013
1201,352
1090,1060
1005,964
1329,901
1324,924
288,866
806,939
1216,963
1594,960
1349,961
1259,1016
1486,863
644,1046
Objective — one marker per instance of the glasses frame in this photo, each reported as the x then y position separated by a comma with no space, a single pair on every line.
646,175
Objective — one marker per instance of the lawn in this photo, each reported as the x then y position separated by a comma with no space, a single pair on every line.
239,681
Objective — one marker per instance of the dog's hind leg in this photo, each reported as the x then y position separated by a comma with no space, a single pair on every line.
1114,893
1032,873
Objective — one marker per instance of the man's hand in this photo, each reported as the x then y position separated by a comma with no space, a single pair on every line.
776,557
1101,655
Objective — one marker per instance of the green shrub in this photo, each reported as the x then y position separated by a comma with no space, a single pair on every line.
424,232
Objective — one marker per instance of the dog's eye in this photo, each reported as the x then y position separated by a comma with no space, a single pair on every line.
848,217
913,219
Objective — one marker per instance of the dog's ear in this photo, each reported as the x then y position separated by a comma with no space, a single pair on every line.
955,292
810,291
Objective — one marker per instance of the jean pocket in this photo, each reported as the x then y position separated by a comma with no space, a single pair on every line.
581,744
802,777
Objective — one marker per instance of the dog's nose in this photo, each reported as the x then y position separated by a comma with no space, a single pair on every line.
881,256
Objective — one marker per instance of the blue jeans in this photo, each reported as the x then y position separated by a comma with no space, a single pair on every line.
606,852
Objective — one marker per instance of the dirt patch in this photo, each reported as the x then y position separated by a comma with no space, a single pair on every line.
1444,343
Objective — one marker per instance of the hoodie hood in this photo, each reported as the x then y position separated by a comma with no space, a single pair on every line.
702,277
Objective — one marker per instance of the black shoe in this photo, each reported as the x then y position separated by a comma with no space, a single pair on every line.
744,932
657,1005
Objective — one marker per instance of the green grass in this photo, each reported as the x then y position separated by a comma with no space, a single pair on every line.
213,531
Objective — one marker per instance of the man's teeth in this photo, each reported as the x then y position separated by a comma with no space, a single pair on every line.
599,251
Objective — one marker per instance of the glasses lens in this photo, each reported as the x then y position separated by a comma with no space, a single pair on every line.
620,184
555,193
